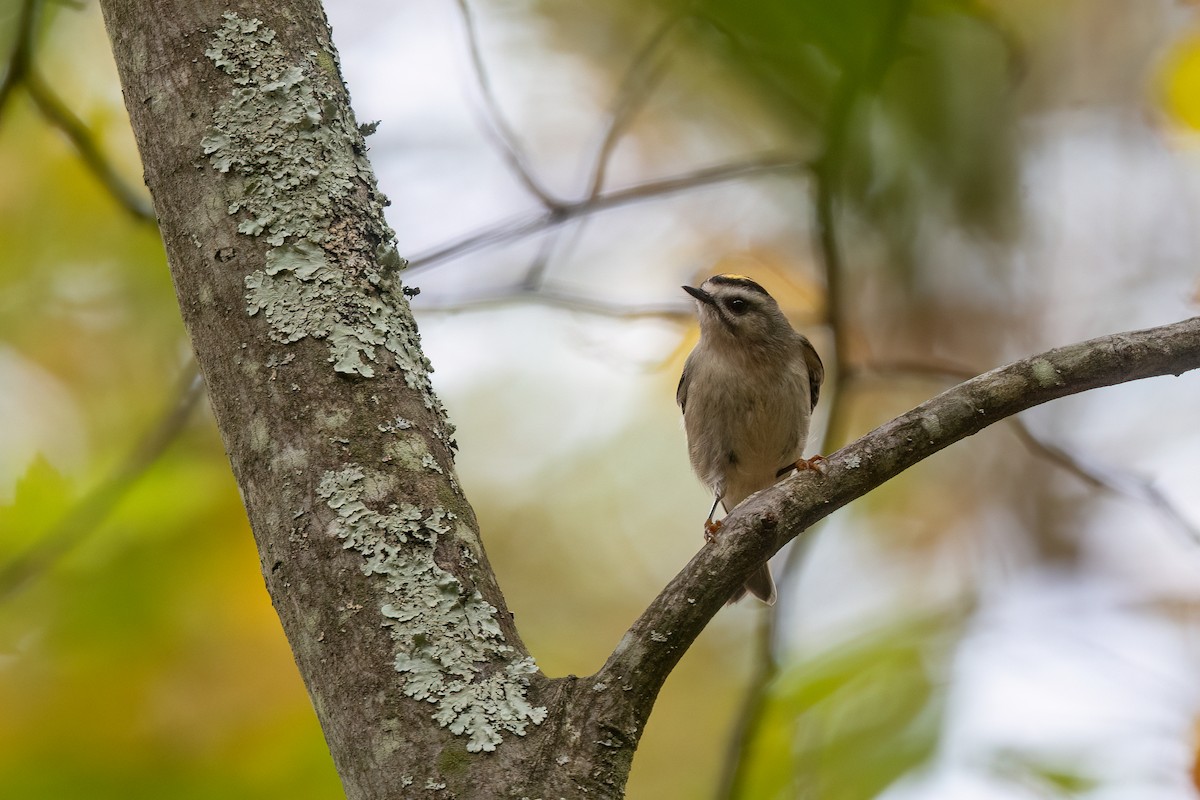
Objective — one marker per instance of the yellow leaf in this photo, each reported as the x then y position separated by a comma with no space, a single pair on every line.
1180,81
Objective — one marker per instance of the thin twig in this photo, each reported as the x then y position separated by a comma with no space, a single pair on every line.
496,123
60,116
753,706
643,73
534,222
535,273
90,511
21,56
1134,487
557,298
22,71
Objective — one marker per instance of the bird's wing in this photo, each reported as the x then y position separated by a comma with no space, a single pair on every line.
681,390
816,371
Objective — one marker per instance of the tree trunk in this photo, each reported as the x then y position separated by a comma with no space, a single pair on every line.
288,279
286,273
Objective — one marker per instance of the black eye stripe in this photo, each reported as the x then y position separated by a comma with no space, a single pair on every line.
737,305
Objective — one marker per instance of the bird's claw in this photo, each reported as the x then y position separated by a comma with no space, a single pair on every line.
711,529
815,463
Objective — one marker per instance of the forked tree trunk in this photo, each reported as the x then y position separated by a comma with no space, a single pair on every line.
288,279
287,275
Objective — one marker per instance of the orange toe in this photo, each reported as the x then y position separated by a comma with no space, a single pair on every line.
815,463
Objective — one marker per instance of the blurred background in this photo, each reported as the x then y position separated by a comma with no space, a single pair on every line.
930,188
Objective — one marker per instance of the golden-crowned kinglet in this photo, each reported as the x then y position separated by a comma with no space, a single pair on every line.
747,392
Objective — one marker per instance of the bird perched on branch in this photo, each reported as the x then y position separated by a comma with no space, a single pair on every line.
747,392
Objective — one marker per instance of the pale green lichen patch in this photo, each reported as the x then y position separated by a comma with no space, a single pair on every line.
1045,373
289,459
407,451
279,135
394,425
449,649
260,433
932,425
333,420
294,156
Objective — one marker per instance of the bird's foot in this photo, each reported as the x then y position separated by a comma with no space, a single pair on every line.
711,529
815,463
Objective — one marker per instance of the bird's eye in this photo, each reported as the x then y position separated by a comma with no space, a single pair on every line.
737,305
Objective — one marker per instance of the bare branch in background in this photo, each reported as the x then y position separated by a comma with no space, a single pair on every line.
644,72
20,57
497,125
60,116
22,71
90,512
537,221
1113,480
753,706
640,78
535,273
557,298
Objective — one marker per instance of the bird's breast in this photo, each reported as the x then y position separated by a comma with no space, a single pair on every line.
742,426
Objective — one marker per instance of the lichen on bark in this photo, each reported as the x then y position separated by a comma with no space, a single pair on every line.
449,647
295,158
298,181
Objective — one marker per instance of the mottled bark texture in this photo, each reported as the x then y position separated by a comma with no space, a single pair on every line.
288,279
287,276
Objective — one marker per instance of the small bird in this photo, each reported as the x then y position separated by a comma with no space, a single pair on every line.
747,392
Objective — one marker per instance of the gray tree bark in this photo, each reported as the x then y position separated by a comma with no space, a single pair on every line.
288,279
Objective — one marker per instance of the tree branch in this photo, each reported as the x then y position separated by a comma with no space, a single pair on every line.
93,509
759,527
20,57
535,222
22,71
643,73
1105,478
58,114
497,125
555,298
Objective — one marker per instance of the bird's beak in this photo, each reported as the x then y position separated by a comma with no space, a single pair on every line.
699,294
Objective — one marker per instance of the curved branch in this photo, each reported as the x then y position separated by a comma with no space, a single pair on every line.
59,114
764,523
537,221
20,57
643,73
498,127
1106,478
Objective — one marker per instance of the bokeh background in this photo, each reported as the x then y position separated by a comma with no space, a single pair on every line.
930,188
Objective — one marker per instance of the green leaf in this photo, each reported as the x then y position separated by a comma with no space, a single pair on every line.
847,723
1036,770
42,487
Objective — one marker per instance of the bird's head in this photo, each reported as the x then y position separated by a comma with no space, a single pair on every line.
736,311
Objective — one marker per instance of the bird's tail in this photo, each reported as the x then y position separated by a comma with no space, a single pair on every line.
760,584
